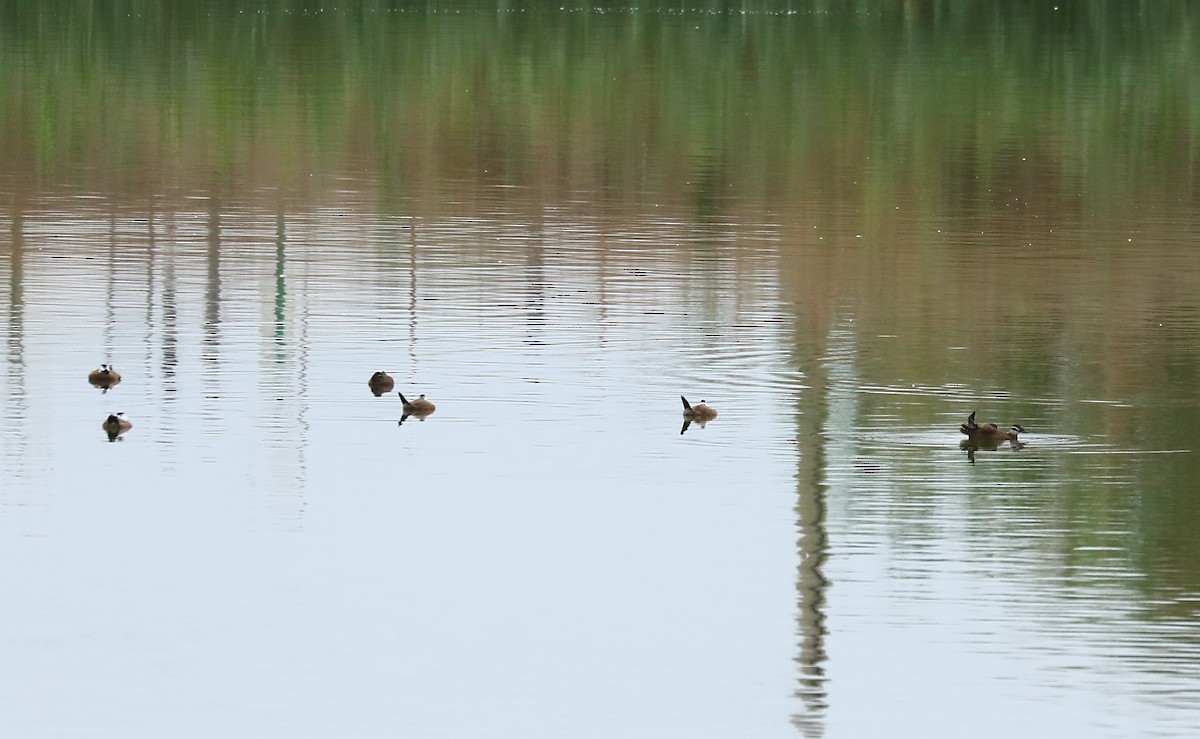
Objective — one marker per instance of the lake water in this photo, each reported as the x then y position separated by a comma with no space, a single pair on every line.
845,231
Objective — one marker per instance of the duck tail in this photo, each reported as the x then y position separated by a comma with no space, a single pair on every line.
403,399
686,405
970,426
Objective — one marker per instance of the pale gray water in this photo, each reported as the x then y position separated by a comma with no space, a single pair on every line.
268,542
546,554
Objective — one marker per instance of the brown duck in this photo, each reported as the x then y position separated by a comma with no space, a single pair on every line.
115,425
701,413
988,434
421,407
105,377
380,383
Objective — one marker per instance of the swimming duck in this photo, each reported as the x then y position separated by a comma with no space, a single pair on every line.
105,377
700,413
988,434
380,383
420,407
116,424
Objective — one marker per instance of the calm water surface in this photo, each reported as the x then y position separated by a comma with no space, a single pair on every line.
554,241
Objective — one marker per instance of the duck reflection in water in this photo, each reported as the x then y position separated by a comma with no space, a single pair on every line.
115,425
700,413
419,408
380,383
988,436
104,378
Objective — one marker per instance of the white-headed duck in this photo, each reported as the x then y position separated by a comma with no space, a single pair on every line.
116,424
701,413
420,407
105,377
988,433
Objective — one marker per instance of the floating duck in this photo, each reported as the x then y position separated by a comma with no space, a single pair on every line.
105,377
989,433
116,424
421,407
380,383
700,413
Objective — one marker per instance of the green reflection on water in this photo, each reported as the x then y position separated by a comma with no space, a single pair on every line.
732,99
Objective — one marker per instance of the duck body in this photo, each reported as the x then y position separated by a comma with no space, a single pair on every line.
988,433
420,407
380,383
701,413
105,377
116,424
698,412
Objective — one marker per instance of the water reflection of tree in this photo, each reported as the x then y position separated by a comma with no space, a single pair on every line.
16,405
812,545
812,414
904,94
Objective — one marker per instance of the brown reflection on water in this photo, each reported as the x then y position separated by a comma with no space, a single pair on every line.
411,253
212,299
16,406
285,386
812,542
167,325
